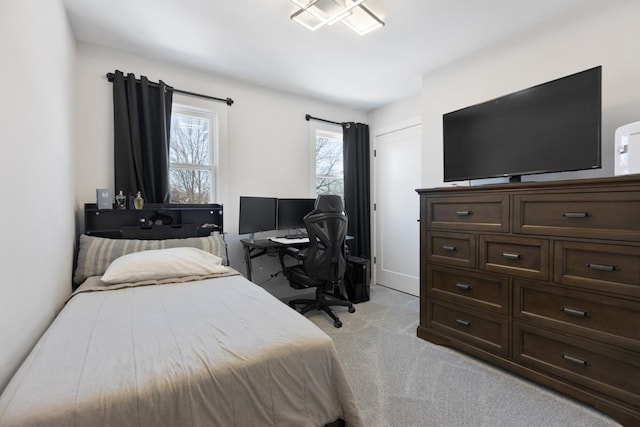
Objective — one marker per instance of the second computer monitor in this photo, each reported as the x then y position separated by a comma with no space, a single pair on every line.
291,212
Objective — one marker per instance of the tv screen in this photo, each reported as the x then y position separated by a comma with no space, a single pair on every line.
257,214
292,211
552,127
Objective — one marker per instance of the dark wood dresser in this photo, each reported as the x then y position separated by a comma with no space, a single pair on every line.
541,279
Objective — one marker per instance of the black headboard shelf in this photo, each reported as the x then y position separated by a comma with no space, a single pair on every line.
154,221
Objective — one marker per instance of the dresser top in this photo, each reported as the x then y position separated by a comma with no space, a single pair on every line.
610,183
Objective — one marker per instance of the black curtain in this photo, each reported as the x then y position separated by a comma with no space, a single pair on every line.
142,121
357,187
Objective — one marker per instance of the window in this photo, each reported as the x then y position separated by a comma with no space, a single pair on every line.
329,177
192,155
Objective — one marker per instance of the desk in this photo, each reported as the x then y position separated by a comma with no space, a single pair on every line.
256,248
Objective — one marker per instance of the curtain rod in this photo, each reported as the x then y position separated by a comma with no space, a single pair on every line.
228,101
310,117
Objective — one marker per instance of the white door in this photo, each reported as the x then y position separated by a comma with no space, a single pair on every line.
397,166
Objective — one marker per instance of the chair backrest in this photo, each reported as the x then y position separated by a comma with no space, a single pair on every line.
327,230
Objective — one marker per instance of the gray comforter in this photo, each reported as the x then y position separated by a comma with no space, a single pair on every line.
215,352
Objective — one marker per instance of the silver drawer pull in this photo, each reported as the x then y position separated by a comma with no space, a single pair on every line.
574,311
463,322
463,286
575,360
464,213
449,248
509,255
601,267
576,214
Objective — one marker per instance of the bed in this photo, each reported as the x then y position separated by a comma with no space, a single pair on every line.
162,333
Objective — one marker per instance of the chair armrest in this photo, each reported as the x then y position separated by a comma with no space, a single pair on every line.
295,253
292,252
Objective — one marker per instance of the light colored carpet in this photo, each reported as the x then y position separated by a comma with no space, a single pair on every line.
401,380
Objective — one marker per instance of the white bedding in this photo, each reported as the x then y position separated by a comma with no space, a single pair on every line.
215,352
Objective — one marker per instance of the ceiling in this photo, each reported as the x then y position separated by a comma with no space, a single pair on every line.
256,41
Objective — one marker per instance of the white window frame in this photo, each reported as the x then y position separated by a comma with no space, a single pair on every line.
216,113
315,129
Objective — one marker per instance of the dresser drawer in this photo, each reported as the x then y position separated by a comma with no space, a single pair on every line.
603,369
480,290
595,316
486,331
603,215
481,213
452,248
522,257
611,268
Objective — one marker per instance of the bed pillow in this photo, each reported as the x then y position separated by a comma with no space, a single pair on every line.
161,264
95,254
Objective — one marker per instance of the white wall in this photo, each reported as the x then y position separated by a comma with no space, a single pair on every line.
601,33
36,248
395,113
268,138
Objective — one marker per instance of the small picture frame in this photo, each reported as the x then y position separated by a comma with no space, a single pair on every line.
104,198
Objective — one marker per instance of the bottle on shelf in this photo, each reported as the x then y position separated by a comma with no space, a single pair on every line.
121,201
138,202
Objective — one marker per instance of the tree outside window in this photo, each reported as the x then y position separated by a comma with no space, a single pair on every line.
191,170
329,168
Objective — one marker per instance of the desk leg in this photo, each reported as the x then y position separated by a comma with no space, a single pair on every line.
247,262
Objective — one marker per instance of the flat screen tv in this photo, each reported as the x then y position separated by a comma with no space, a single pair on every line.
551,127
291,212
257,214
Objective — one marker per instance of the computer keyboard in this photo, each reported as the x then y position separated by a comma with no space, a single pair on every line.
296,236
285,241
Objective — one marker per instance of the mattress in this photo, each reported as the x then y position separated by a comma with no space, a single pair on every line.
214,352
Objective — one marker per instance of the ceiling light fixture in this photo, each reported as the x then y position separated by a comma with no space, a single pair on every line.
314,14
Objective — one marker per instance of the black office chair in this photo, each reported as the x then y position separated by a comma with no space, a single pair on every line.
323,261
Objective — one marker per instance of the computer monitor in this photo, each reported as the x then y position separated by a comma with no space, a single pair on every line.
291,212
257,214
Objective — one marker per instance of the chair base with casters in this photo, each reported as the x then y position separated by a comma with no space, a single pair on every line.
323,301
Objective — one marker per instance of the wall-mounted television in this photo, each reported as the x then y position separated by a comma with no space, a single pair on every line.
257,214
551,127
291,212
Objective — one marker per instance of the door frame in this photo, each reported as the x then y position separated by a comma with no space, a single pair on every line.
379,132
